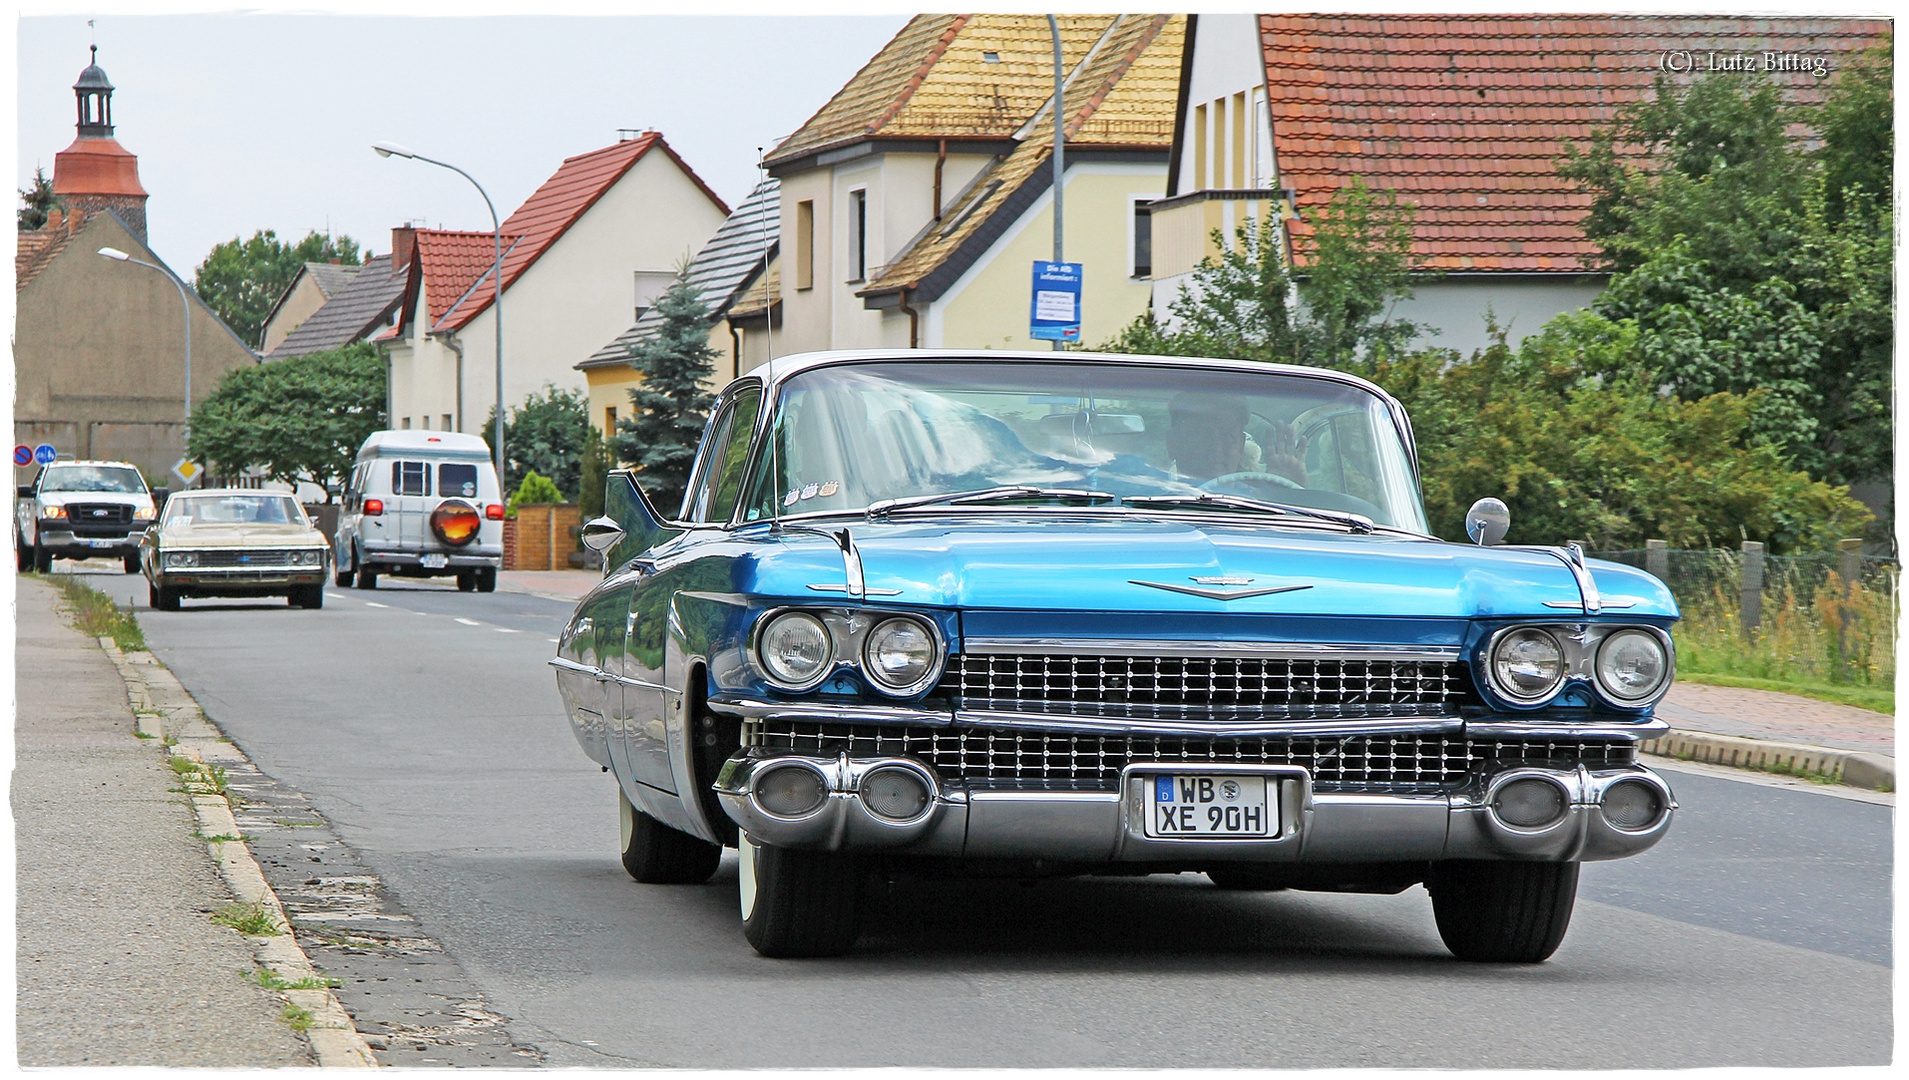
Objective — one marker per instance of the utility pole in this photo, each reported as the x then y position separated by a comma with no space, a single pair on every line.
1060,143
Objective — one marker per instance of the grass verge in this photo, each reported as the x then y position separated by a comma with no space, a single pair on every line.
251,920
95,615
1873,698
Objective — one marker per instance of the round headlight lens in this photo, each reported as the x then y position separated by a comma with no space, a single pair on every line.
899,655
795,650
1632,665
182,558
1527,664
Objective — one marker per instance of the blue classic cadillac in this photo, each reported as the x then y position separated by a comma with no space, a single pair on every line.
1026,615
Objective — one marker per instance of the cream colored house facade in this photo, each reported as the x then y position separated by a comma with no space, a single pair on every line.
915,203
582,255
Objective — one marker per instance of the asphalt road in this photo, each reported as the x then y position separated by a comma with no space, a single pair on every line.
425,725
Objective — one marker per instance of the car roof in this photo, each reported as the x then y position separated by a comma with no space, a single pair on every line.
784,367
90,461
452,443
192,492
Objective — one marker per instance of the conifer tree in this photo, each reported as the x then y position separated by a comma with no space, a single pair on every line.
672,404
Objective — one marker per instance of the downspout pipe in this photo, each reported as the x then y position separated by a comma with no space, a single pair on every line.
941,158
914,336
451,342
735,350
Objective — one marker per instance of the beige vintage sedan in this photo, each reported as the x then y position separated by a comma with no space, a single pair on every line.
233,542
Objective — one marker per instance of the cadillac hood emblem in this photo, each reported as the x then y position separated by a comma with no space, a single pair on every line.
1217,588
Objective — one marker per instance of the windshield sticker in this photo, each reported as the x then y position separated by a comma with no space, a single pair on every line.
809,490
829,489
791,497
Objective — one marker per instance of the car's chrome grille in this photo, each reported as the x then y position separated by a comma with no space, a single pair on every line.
245,557
1426,763
1213,687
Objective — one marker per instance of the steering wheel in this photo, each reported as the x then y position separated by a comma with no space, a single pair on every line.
1251,477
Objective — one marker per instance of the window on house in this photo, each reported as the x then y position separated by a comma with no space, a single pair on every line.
609,419
805,244
858,235
406,424
1199,148
651,284
447,422
1143,237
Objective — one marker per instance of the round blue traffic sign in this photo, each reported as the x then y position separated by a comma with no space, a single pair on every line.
44,453
23,455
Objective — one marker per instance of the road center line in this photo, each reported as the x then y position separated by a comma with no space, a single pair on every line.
470,622
503,629
374,603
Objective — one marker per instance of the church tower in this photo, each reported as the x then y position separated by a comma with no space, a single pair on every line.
96,173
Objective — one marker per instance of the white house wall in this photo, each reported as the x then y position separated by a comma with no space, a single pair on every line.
1455,308
1227,60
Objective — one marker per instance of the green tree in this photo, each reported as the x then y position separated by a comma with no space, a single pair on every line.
1751,263
242,279
36,200
672,403
546,435
592,473
1247,303
298,419
536,488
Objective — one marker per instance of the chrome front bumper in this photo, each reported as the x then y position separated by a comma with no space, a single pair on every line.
1052,822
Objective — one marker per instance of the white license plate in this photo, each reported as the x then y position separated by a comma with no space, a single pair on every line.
435,562
105,543
1206,805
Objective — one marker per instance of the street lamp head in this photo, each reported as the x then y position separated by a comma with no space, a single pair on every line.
391,149
114,253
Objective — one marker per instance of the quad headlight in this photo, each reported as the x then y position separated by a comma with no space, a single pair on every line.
901,656
177,559
1527,664
1632,665
308,557
794,650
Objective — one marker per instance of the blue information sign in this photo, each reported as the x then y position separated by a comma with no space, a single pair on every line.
1055,312
45,454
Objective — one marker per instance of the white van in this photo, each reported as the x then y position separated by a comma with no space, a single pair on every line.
422,504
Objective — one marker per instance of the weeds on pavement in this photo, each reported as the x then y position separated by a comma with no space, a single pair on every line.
251,920
299,1019
95,615
272,980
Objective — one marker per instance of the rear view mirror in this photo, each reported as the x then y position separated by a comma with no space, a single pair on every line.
159,497
1487,522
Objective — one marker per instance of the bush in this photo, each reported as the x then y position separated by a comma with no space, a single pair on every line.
536,489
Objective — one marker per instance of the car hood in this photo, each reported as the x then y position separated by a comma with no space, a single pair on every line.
240,536
1031,563
110,498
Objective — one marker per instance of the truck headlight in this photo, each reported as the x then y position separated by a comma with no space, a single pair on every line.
53,512
794,650
1527,664
143,513
1632,665
901,656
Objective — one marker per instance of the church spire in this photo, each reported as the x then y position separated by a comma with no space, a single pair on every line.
95,98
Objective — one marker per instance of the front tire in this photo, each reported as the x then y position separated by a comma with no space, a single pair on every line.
165,599
367,577
22,554
1245,877
130,563
345,575
42,559
656,854
309,597
1503,912
798,903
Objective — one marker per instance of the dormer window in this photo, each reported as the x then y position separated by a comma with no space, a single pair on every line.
991,57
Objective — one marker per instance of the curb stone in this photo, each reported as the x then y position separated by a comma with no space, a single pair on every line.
1853,767
164,707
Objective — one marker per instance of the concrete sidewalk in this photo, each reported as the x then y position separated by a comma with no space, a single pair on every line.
1759,729
553,584
119,962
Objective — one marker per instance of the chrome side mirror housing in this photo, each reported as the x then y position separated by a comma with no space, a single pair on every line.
601,534
1487,522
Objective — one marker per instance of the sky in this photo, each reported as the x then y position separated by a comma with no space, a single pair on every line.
265,121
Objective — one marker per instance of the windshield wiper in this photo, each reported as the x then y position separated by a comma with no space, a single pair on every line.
1356,522
881,507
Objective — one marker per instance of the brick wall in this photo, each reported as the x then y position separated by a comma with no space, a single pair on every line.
539,537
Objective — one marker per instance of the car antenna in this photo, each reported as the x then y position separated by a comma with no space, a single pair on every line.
769,344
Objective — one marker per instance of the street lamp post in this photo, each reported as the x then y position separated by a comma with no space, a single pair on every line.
388,149
185,302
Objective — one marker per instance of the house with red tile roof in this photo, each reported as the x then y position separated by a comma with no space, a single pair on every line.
915,202
1464,117
583,256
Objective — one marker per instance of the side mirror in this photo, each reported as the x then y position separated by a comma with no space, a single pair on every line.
159,497
26,491
601,534
1487,522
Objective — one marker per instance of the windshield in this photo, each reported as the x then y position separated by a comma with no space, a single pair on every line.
233,510
115,478
851,435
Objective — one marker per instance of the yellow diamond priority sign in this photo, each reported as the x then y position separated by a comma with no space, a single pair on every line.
187,469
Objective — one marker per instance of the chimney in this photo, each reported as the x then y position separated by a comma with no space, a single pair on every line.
54,219
403,239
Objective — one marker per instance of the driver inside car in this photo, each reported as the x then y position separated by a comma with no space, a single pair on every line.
1207,438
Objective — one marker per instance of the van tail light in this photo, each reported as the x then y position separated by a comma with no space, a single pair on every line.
494,511
374,507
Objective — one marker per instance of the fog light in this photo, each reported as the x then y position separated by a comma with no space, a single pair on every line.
894,793
1632,804
1529,803
790,791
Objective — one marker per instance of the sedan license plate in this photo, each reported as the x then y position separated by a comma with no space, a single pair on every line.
1202,805
435,561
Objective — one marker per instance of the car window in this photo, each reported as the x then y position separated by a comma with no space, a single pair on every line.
457,480
720,482
118,479
410,478
233,510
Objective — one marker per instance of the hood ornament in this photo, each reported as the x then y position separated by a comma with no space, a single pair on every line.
1205,587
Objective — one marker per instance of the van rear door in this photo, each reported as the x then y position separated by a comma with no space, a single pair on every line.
411,494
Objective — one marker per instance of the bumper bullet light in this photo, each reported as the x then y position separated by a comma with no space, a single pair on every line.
1632,804
895,793
1632,665
794,650
1527,664
1529,803
901,656
790,791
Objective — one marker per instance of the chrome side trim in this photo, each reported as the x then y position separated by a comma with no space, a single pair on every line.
1614,605
1524,729
1272,650
824,587
1387,725
572,666
852,563
829,712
